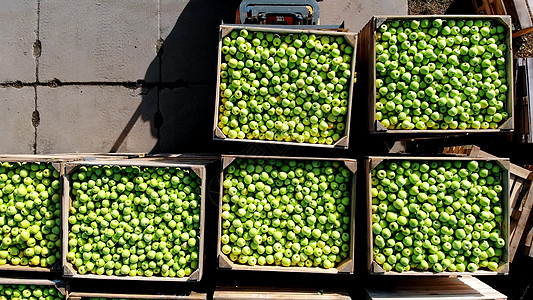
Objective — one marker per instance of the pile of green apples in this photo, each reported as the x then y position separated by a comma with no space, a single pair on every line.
30,214
437,215
284,87
134,221
286,213
435,74
29,292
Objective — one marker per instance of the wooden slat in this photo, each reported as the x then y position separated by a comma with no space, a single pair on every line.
466,287
528,243
516,189
522,221
522,32
251,293
524,19
529,238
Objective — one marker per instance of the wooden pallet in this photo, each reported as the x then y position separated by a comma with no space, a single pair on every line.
252,293
452,288
489,7
520,199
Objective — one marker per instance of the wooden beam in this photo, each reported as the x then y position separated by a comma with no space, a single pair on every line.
522,32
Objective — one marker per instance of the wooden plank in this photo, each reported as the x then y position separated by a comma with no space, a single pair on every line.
522,32
516,189
529,238
465,287
524,19
519,171
529,243
469,150
521,222
252,293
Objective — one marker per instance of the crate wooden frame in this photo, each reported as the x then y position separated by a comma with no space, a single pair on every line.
58,163
252,293
68,269
344,267
85,296
374,268
351,38
521,195
367,73
442,288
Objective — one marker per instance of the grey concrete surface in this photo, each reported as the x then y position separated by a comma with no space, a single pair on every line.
17,134
95,48
356,14
18,27
98,41
96,119
187,119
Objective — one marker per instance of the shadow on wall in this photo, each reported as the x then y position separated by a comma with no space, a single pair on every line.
182,77
180,84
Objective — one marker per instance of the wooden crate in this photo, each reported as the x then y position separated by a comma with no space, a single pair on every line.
367,73
351,38
346,266
489,7
249,293
375,269
70,271
520,199
86,296
58,163
452,288
58,285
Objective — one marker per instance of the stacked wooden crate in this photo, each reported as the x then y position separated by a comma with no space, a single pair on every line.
520,201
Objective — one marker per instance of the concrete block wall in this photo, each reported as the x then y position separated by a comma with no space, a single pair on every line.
121,75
